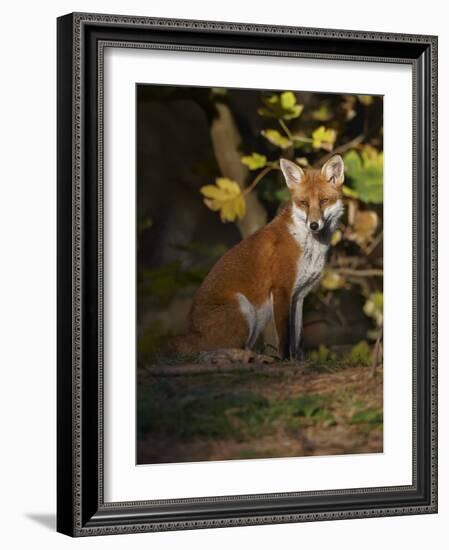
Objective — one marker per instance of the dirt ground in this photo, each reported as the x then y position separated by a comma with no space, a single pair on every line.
276,410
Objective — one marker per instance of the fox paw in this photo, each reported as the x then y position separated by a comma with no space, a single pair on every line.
222,356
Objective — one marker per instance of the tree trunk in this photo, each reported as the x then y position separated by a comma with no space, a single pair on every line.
226,142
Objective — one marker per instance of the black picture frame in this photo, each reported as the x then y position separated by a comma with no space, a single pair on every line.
81,509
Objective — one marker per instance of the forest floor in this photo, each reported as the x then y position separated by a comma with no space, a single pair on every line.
258,411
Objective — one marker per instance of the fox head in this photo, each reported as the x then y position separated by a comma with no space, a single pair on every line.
316,194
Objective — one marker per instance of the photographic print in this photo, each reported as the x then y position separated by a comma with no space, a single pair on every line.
245,264
259,273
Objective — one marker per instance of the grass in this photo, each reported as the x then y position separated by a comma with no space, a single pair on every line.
181,413
336,409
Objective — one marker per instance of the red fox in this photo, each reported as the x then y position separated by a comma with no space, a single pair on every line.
269,273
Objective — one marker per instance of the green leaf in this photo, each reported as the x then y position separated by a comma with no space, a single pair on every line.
276,138
366,174
360,355
288,100
294,112
283,106
254,161
283,194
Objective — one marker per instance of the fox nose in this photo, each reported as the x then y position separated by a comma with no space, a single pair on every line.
313,226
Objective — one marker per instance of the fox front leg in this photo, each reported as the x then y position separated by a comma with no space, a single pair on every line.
296,333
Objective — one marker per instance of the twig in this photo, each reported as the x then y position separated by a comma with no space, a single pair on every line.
286,129
341,149
259,176
374,244
376,352
359,272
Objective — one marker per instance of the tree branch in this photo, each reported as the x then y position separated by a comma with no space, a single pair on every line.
340,149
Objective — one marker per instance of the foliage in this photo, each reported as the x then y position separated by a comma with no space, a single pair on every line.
372,416
365,171
332,280
322,355
276,138
360,354
226,197
324,138
254,161
374,307
281,106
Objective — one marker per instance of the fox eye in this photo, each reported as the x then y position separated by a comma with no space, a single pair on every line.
323,201
304,203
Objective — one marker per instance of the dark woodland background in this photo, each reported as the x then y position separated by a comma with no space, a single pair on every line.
199,149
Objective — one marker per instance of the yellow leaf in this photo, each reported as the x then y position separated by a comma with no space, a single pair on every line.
228,186
365,99
276,138
288,100
225,197
212,192
322,114
302,161
336,237
332,281
294,112
374,307
254,161
324,138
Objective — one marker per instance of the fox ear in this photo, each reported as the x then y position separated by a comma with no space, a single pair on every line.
293,174
334,170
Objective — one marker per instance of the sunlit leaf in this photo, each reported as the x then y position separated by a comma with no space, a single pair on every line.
374,307
288,100
336,237
324,138
332,280
365,99
322,114
294,112
281,106
225,197
302,161
366,173
254,161
276,138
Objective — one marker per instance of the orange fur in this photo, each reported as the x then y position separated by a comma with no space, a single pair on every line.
262,267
